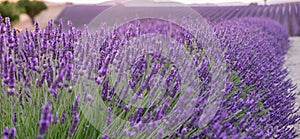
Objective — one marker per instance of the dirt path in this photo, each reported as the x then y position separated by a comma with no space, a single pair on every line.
51,13
293,65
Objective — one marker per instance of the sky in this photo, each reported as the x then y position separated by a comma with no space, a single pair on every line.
186,1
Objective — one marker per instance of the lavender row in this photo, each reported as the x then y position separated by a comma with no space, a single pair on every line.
50,74
287,14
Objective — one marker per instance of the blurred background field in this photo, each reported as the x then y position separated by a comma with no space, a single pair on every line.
54,9
82,12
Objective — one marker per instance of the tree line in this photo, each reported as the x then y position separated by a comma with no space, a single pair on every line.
14,9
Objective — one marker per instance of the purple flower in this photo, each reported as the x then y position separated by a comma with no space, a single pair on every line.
89,97
74,124
6,133
9,133
15,118
74,107
63,117
45,120
105,136
127,107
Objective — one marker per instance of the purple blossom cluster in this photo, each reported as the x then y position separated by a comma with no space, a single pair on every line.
261,104
9,133
257,102
45,121
39,54
150,71
10,40
41,58
75,114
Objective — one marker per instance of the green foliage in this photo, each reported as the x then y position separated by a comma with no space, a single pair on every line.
32,8
29,115
8,9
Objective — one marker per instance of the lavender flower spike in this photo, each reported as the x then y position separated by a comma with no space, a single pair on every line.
74,125
9,133
44,123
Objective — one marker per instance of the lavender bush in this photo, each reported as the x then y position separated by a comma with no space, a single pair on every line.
48,74
261,104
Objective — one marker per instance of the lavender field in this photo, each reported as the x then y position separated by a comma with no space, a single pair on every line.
221,75
287,14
